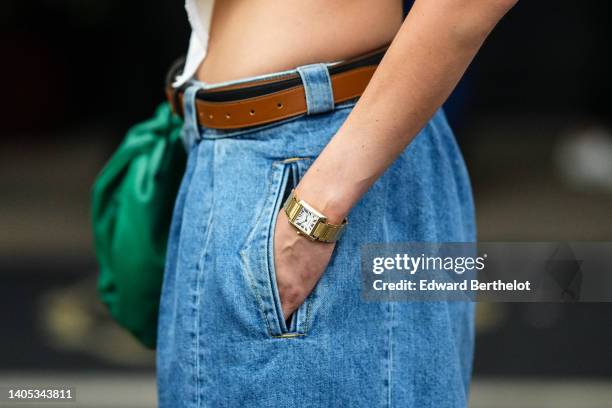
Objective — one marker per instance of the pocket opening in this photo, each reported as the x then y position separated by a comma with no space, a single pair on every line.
289,182
292,181
258,253
289,185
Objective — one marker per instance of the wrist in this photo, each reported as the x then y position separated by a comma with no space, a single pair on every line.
336,180
334,203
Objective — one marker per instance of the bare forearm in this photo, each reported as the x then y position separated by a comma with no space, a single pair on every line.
427,58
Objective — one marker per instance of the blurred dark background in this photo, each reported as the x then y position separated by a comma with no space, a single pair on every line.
533,117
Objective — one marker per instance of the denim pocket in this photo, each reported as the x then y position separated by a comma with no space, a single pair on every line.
257,253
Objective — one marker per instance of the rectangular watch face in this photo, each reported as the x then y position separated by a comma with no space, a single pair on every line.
307,218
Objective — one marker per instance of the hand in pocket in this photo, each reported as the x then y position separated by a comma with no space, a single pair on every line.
298,262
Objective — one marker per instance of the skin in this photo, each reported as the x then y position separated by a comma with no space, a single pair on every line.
253,37
428,55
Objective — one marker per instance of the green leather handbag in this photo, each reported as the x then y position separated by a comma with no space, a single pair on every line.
133,198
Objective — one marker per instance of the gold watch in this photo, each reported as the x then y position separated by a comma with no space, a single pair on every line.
311,223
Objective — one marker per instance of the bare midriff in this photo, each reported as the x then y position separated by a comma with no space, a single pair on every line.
249,38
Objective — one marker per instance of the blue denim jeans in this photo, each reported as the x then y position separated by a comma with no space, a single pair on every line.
222,339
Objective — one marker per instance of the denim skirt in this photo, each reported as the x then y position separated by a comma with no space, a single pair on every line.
222,340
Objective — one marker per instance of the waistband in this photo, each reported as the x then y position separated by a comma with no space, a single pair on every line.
246,102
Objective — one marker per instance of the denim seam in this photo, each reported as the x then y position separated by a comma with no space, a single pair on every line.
390,364
197,341
190,128
199,283
199,279
258,78
260,302
268,242
331,88
245,247
308,316
273,75
390,304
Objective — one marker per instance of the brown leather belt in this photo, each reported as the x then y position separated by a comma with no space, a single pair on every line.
264,101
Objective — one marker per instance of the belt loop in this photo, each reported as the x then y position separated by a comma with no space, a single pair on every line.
317,87
191,130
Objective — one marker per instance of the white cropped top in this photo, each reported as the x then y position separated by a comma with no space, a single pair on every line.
199,13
